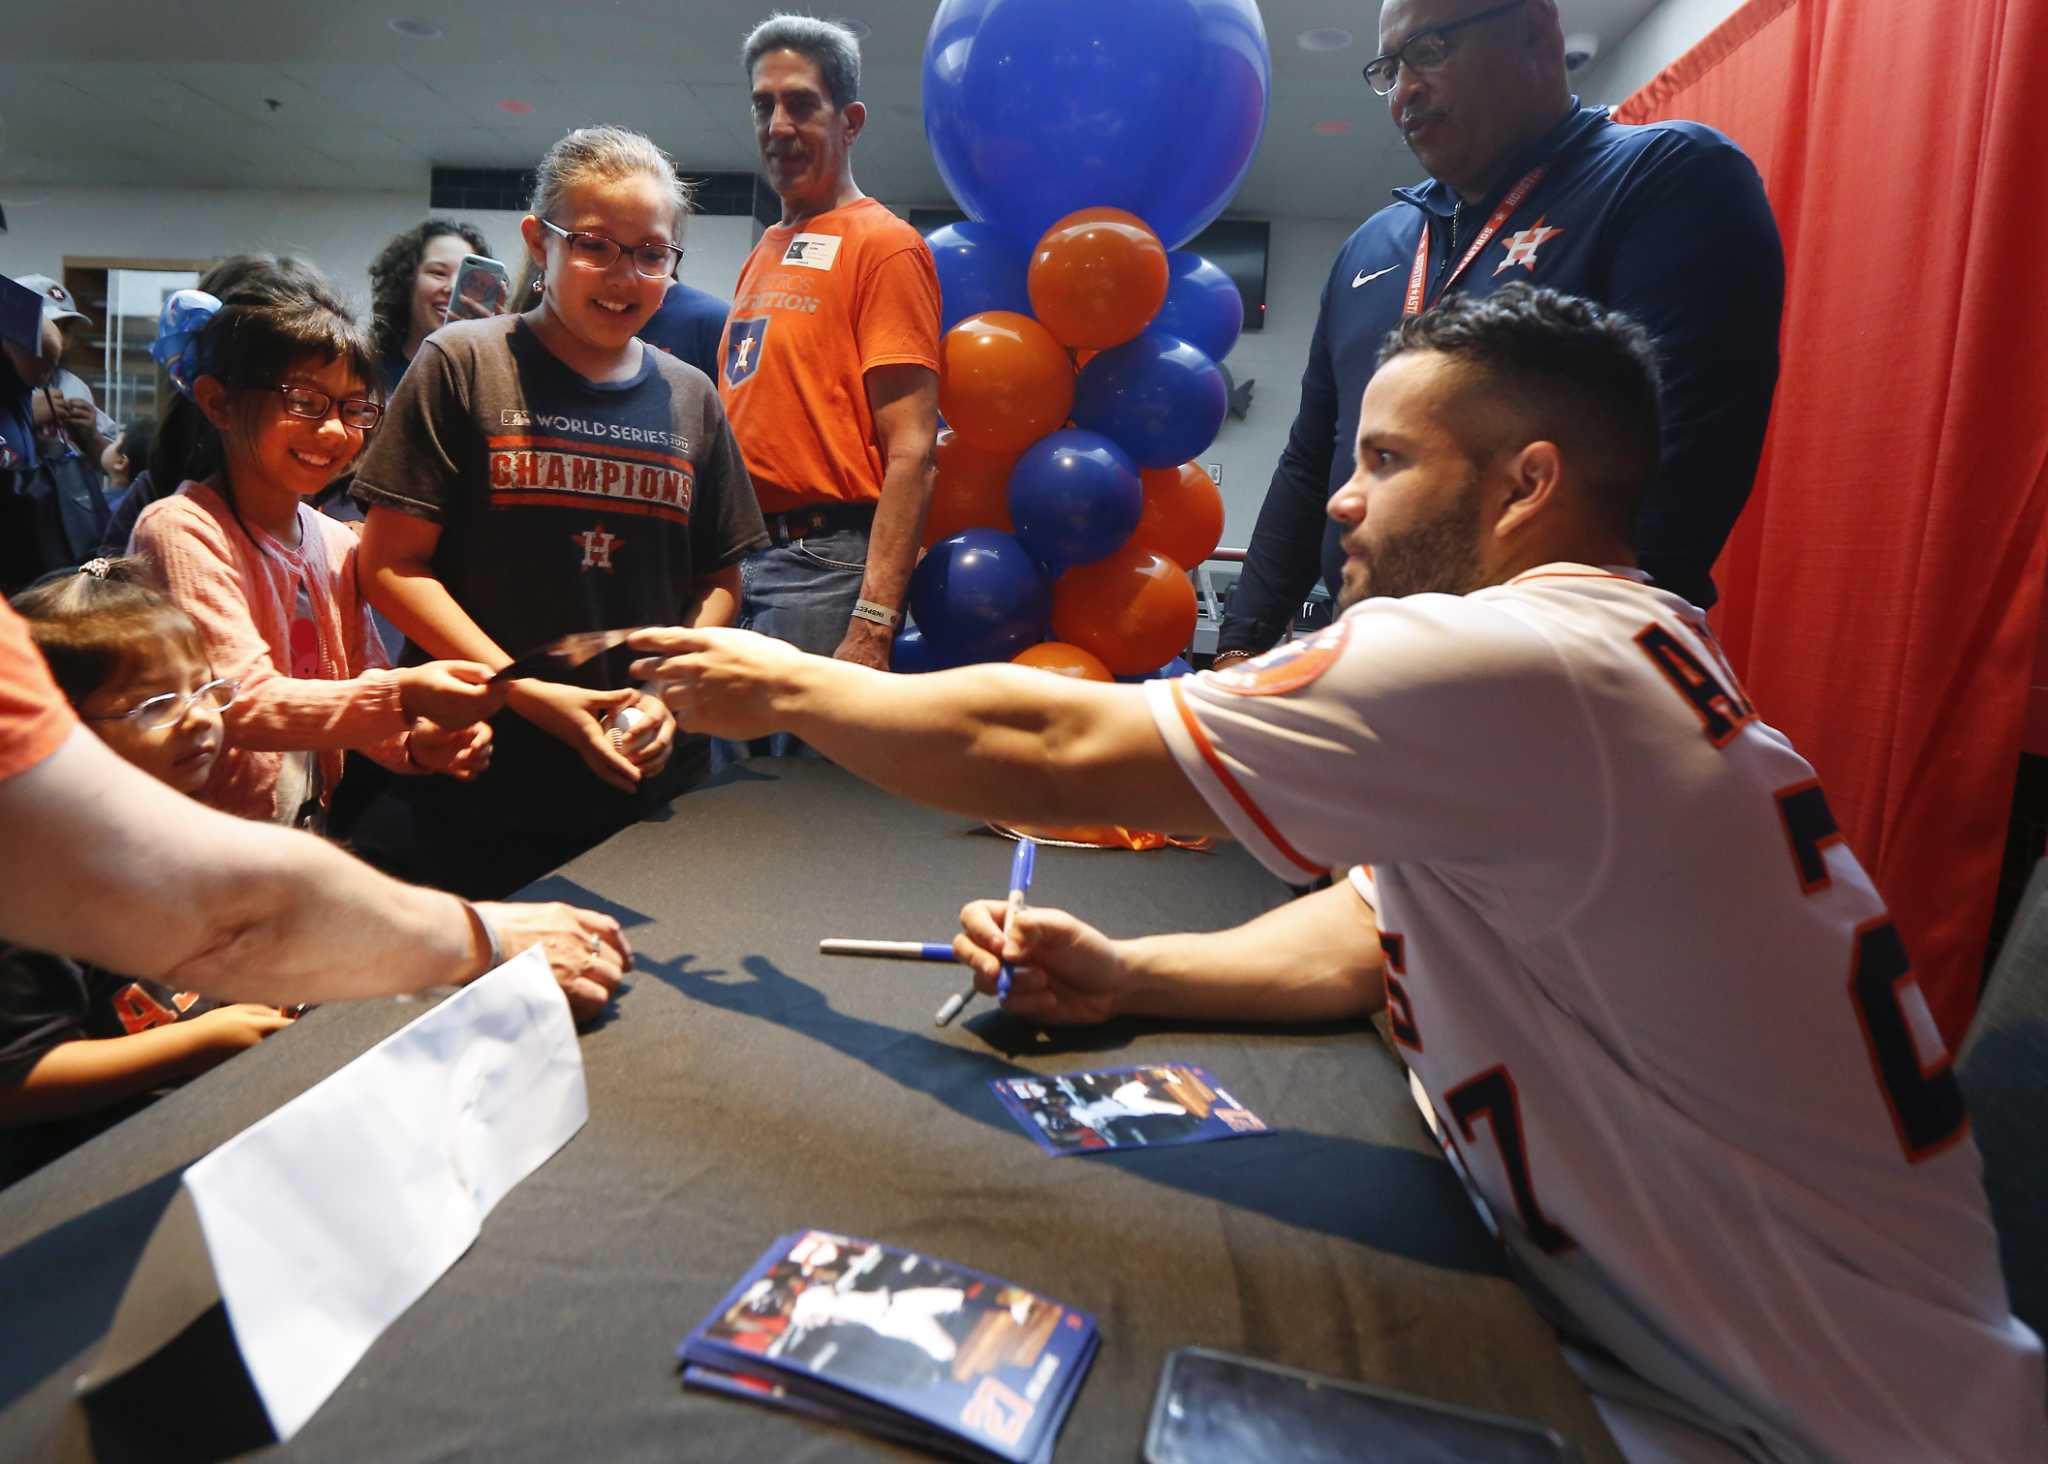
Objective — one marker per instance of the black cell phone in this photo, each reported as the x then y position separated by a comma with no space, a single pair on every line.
1213,1408
481,285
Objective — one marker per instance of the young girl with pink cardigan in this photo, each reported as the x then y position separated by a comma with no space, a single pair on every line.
283,376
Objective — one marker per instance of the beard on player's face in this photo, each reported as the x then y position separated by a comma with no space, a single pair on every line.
1436,555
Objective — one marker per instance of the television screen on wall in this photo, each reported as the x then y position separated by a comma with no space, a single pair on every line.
1235,246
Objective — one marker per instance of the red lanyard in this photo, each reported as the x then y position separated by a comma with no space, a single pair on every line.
1508,205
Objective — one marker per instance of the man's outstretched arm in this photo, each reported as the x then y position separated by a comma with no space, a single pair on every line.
1000,742
102,862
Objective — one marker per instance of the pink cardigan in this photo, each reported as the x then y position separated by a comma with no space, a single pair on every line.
241,591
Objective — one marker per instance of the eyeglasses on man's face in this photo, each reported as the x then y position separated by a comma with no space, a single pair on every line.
167,710
315,406
1426,50
599,251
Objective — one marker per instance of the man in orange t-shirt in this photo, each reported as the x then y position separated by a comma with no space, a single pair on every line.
829,364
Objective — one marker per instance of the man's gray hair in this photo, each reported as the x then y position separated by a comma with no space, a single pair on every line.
826,44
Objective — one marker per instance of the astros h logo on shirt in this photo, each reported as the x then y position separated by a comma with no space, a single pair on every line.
744,341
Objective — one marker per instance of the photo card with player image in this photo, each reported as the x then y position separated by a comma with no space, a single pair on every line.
1126,1108
914,1349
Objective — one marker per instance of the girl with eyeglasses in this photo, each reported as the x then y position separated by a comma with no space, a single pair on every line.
281,376
545,474
80,1046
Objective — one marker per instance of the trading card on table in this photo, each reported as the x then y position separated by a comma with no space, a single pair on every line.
1125,1108
911,1346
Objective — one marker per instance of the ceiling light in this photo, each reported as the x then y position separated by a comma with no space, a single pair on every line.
1323,38
1332,128
416,29
516,109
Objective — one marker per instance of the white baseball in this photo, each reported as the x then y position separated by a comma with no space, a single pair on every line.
622,722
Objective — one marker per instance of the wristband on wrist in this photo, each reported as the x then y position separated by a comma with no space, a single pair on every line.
876,614
477,922
1224,658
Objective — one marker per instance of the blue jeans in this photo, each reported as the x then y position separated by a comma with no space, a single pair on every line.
801,592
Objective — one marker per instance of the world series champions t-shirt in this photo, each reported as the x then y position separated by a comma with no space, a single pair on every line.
564,504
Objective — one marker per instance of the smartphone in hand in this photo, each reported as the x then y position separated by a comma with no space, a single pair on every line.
481,285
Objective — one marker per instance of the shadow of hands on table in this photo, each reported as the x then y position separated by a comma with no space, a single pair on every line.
1395,1200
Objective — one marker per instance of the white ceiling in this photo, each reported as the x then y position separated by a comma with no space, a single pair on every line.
143,93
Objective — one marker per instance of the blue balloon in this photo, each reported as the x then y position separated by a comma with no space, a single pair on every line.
1178,666
1202,305
1156,397
912,654
1074,497
980,268
978,596
1035,108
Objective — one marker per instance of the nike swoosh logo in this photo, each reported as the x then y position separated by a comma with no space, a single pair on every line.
1362,278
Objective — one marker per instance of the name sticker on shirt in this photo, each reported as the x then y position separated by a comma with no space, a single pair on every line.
812,251
1285,668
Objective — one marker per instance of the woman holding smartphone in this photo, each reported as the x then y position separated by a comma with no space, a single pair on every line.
411,283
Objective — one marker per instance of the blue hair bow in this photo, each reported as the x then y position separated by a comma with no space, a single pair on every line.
176,347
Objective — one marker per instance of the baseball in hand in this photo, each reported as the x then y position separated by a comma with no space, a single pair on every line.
622,722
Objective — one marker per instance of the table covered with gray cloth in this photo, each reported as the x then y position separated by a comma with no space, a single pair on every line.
745,1087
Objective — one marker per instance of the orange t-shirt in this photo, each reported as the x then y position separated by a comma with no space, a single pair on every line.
817,309
34,717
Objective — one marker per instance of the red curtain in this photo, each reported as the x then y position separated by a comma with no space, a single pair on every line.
1882,594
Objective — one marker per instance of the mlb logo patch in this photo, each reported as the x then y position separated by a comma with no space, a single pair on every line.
812,251
744,342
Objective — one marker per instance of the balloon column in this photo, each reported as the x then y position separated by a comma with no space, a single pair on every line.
1078,376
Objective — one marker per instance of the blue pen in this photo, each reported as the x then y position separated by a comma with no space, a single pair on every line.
1022,863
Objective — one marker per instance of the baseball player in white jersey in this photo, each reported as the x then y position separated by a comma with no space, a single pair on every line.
1655,1006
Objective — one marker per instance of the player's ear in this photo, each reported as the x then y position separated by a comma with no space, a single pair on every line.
1532,477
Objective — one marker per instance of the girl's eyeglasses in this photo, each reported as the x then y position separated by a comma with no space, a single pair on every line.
358,412
169,709
598,251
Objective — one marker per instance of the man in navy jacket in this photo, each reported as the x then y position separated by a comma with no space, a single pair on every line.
1667,222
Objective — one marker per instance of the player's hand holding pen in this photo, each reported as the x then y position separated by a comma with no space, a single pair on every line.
1062,970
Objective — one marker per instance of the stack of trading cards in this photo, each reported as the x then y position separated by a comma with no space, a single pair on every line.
1126,1107
914,1349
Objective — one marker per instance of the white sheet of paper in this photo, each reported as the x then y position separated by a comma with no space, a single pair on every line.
329,1218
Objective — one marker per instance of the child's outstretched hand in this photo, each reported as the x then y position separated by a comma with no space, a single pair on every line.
460,752
449,693
232,1029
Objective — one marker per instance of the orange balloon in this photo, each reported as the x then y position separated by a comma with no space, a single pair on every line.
1064,660
1004,382
1098,278
970,490
1183,514
1135,610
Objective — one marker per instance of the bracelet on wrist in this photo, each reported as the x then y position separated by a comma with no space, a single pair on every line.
876,614
495,953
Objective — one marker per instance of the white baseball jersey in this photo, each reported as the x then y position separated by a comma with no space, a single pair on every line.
1656,1004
